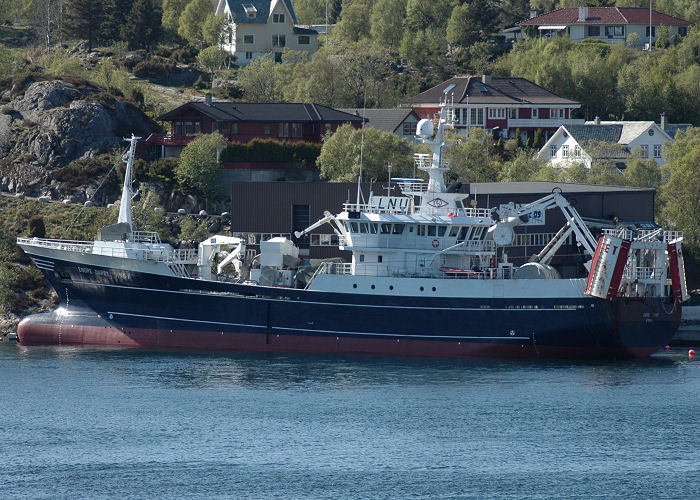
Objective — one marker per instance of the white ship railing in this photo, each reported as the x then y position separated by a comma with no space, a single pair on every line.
345,268
643,273
181,255
66,245
629,234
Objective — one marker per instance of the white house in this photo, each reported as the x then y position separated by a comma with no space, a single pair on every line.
609,24
569,143
259,27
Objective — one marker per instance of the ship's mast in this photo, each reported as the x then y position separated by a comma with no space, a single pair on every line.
125,206
437,166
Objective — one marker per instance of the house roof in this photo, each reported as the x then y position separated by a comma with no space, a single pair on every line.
600,133
262,7
265,112
603,15
471,89
632,129
387,120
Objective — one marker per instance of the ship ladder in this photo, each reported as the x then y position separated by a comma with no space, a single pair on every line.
178,269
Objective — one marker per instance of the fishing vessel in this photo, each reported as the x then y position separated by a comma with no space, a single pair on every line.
429,276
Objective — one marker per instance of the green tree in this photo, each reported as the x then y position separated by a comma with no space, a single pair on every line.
680,196
82,20
199,165
172,10
386,22
192,21
259,81
212,58
144,27
343,152
354,22
215,29
471,159
642,173
471,22
524,167
114,20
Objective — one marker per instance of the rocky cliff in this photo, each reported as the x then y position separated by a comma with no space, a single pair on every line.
54,122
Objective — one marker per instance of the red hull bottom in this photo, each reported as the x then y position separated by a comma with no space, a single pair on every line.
52,334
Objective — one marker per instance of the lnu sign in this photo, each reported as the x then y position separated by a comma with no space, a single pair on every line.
390,203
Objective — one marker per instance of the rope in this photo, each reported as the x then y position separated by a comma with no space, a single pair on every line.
83,208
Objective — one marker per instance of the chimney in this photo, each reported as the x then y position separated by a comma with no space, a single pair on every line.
207,99
582,13
533,13
597,120
663,121
486,79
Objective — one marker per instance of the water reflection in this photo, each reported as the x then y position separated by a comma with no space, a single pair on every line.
207,369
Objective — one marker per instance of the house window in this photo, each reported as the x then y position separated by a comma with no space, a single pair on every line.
279,41
278,18
178,128
477,116
534,112
234,128
296,129
657,150
565,151
214,127
284,130
611,31
682,31
497,112
197,127
594,31
249,39
189,128
512,113
577,150
329,128
379,258
644,151
267,129
304,40
552,151
409,128
653,31
556,112
248,56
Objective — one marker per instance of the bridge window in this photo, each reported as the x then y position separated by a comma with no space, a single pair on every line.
431,231
384,228
398,229
441,230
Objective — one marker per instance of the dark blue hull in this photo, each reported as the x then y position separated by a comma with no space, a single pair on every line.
113,307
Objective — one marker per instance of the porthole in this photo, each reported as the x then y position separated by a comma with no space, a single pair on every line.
434,289
354,285
391,287
372,287
421,289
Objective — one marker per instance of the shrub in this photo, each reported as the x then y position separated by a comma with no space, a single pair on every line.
37,229
153,68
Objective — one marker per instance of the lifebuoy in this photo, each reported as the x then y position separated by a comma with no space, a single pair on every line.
436,243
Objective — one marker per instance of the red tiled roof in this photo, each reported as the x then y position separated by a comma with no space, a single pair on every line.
603,15
468,89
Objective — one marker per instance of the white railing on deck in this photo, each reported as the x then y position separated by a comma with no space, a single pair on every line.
183,255
629,234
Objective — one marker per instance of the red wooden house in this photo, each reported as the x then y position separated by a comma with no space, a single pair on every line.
243,121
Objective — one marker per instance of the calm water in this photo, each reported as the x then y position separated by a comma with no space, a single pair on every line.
80,423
